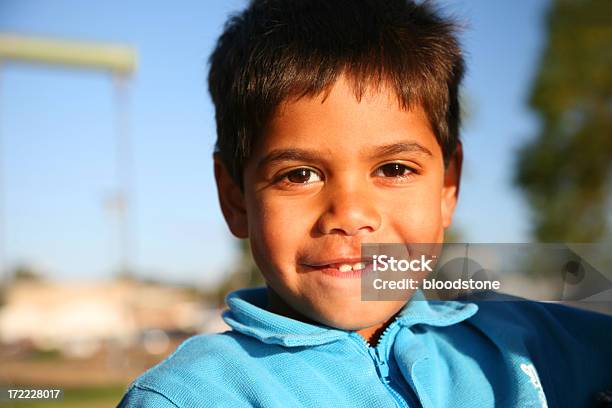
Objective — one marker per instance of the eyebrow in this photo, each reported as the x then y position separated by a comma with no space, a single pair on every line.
401,147
280,155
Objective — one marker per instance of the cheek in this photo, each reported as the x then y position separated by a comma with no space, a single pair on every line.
417,215
276,230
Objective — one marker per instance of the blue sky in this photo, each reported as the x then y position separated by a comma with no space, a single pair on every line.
58,140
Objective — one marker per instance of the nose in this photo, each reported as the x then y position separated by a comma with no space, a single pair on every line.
350,210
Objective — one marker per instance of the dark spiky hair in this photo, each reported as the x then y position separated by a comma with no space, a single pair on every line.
280,49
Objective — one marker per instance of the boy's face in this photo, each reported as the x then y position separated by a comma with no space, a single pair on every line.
327,176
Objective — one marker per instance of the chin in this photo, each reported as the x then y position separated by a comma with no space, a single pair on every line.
361,316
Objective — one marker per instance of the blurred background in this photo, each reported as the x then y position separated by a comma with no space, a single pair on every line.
113,248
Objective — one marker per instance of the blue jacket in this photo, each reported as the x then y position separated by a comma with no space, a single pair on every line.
434,354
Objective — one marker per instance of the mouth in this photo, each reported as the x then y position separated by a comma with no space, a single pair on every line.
342,268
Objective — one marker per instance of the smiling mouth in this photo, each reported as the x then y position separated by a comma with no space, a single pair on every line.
346,269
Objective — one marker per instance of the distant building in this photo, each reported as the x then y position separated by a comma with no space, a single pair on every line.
77,318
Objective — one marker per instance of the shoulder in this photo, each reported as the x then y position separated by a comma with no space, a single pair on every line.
204,352
565,339
203,365
571,347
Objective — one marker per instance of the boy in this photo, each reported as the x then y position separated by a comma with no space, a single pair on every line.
338,126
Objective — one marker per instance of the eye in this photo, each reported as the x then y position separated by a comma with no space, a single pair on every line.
396,170
302,175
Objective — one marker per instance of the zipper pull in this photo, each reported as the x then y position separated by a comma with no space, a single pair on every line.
381,366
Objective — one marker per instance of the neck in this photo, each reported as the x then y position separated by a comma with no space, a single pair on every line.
372,334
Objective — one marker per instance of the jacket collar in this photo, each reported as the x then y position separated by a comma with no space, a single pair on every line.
247,315
440,313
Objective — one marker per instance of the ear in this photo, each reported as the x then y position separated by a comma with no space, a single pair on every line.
231,199
450,190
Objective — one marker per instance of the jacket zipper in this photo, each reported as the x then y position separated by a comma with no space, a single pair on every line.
382,368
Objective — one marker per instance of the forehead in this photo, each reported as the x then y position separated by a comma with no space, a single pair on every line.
338,122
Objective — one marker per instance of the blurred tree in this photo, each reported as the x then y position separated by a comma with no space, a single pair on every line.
21,273
565,171
454,235
25,273
244,275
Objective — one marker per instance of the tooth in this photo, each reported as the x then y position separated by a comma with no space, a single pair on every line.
358,266
345,268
